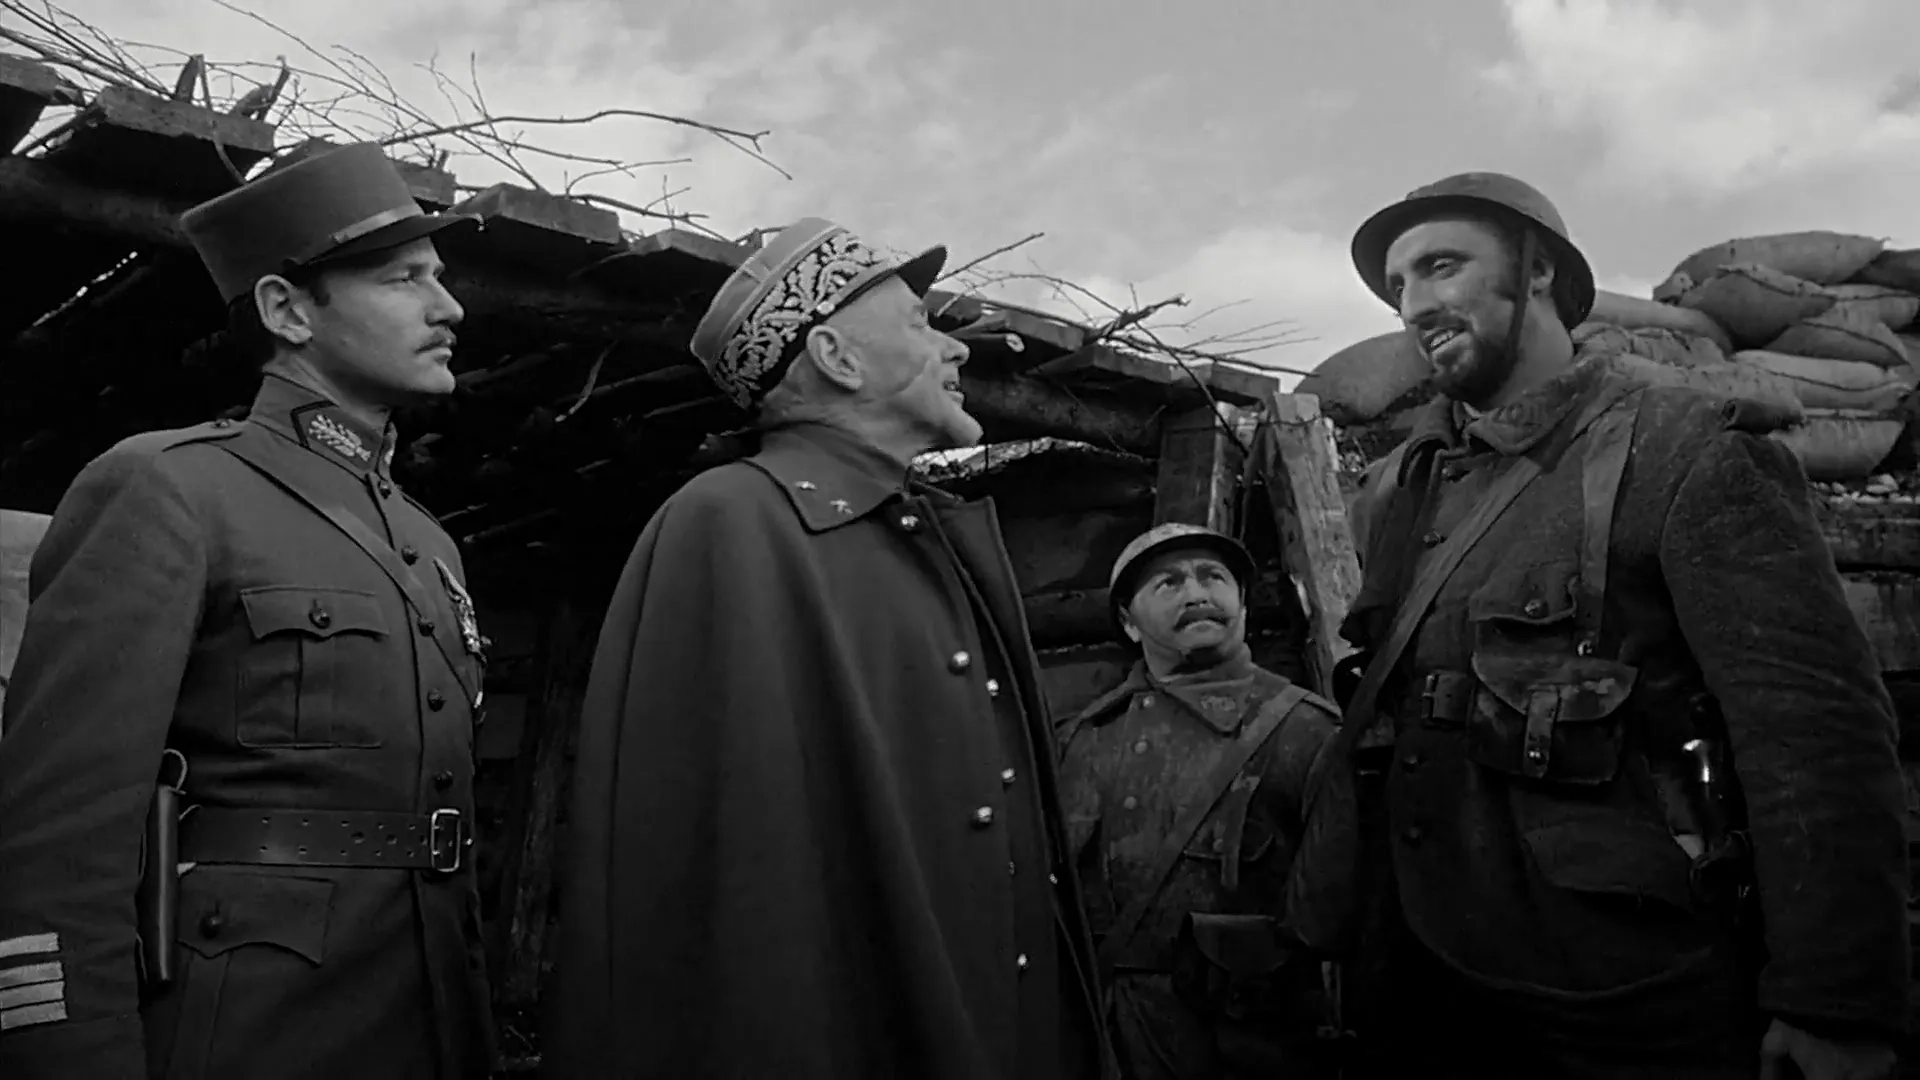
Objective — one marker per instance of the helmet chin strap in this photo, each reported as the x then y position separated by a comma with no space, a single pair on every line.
1522,294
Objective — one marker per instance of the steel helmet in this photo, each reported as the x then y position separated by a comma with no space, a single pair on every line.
1480,192
1133,558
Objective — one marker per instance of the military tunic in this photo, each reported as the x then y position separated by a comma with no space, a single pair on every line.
184,600
1134,762
1549,913
815,829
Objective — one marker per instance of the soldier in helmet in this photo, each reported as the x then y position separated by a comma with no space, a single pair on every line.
1216,891
252,616
1642,806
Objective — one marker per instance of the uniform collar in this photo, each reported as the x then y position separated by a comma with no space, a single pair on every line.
1516,427
1217,695
315,422
831,477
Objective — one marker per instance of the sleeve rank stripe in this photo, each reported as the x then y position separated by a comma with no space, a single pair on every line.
29,974
33,1014
29,944
52,993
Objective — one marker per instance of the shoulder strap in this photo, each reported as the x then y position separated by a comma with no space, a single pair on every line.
1359,718
1265,722
263,453
1609,445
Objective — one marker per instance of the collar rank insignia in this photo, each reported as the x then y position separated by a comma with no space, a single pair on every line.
1219,703
463,608
341,440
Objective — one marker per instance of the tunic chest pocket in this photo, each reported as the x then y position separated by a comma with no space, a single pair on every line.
1542,711
318,670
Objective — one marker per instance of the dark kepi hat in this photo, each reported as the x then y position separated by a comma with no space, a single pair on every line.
806,272
335,205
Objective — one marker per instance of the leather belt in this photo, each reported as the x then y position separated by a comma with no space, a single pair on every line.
361,839
1440,698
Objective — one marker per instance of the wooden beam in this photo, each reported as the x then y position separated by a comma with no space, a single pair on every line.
27,87
150,143
1018,407
1069,617
1226,382
1199,470
548,232
537,796
1888,607
1296,458
1871,535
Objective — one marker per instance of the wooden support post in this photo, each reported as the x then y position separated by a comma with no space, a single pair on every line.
1871,535
534,807
1200,465
1296,456
1888,607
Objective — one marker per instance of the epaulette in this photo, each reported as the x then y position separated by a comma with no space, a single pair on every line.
155,442
1314,699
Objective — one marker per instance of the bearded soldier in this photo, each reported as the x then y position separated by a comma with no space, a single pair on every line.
1642,801
1216,891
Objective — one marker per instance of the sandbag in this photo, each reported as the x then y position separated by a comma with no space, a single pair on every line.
1634,313
1840,444
1893,308
1724,381
1911,343
1843,332
1365,379
1756,304
1893,269
1655,343
1834,384
1824,258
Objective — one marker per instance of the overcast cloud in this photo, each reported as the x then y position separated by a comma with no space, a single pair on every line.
1220,149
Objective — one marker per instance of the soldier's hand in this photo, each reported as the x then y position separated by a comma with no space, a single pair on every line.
1788,1053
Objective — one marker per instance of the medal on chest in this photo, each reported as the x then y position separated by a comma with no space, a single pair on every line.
463,608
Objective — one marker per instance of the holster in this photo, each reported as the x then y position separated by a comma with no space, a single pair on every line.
157,900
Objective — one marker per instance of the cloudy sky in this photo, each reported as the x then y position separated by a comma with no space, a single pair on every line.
1218,149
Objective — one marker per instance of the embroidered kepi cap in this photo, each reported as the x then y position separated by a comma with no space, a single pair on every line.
809,270
333,205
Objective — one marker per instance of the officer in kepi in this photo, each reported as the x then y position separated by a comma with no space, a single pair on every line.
1636,764
1217,893
236,781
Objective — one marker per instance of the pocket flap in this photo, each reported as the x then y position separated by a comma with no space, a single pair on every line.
1240,944
1607,853
321,613
1535,596
1587,688
222,909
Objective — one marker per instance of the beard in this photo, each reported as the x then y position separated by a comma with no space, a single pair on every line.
1471,368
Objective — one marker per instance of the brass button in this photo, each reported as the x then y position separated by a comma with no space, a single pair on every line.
426,627
805,485
410,554
959,662
1452,473
1536,755
386,489
1021,962
1146,701
1010,870
1413,834
1536,608
443,779
1432,539
909,522
993,687
223,422
1006,777
1411,761
212,923
983,817
319,617
1129,803
1140,747
1053,879
436,700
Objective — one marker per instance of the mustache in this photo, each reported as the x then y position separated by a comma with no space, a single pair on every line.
442,340
1197,614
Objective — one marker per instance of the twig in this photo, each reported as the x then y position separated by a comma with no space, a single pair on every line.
994,254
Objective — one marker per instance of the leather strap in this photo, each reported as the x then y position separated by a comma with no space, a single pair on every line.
1359,715
361,839
1266,721
291,469
1609,445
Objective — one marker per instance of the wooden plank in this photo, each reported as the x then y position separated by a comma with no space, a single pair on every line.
1298,462
152,144
1069,617
1199,470
1068,551
535,803
27,87
1888,607
544,231
1017,407
1871,534
1226,382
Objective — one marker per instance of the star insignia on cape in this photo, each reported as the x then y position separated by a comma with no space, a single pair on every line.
842,505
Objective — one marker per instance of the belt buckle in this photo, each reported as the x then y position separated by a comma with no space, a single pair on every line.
1429,688
444,829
